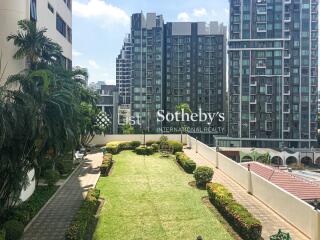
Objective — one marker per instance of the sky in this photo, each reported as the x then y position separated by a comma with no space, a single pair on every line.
99,27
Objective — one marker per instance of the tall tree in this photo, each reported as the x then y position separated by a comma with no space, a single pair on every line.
33,44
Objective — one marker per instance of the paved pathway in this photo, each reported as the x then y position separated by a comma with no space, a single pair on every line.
53,221
271,222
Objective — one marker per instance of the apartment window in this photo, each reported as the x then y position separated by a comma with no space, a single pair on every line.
61,25
50,8
69,34
33,10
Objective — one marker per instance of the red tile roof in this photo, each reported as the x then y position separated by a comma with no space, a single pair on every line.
297,186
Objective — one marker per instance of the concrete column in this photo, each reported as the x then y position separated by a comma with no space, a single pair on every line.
217,159
249,187
196,145
316,227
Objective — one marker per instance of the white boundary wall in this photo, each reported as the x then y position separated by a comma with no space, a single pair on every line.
26,193
294,210
103,139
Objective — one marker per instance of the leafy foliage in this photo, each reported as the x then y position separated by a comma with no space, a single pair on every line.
238,216
281,236
43,112
203,175
106,163
13,229
84,217
185,162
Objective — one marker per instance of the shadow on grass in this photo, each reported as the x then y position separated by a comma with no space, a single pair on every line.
93,225
194,185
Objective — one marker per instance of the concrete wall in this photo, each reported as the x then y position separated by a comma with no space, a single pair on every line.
102,140
294,210
26,193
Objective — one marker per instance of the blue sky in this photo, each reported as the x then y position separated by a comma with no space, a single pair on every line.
99,27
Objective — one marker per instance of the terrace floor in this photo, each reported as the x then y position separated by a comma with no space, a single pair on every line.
55,217
271,222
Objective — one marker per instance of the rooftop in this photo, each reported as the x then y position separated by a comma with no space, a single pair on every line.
297,186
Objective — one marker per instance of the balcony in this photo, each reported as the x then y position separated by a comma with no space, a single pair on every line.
287,1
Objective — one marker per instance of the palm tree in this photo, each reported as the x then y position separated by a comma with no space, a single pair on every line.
34,45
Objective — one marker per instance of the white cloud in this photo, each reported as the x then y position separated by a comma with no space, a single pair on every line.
201,12
226,10
184,17
75,53
93,64
99,9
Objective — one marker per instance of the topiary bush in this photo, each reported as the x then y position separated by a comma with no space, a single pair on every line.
106,164
185,162
203,175
13,230
242,221
135,144
84,217
51,177
144,150
175,145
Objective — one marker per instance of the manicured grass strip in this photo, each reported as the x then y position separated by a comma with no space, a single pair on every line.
148,197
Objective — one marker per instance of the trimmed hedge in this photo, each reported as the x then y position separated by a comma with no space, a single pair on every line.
242,221
185,162
106,164
175,145
13,229
116,147
144,150
84,217
203,175
151,142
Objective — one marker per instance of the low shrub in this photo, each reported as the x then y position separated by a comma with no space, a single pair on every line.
175,145
106,164
144,150
242,221
203,175
13,229
281,236
135,144
51,177
155,147
64,164
118,146
185,162
2,234
150,142
84,217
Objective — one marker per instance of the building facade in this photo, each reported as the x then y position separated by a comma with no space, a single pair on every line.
195,66
54,15
108,103
273,73
124,72
147,69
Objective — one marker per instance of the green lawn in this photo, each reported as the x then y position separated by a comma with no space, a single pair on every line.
149,198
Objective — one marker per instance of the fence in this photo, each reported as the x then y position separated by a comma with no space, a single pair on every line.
294,210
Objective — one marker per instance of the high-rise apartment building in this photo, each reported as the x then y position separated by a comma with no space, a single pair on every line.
147,68
55,15
124,72
273,73
195,66
175,63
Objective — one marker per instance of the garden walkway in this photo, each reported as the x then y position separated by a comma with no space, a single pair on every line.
271,222
52,222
